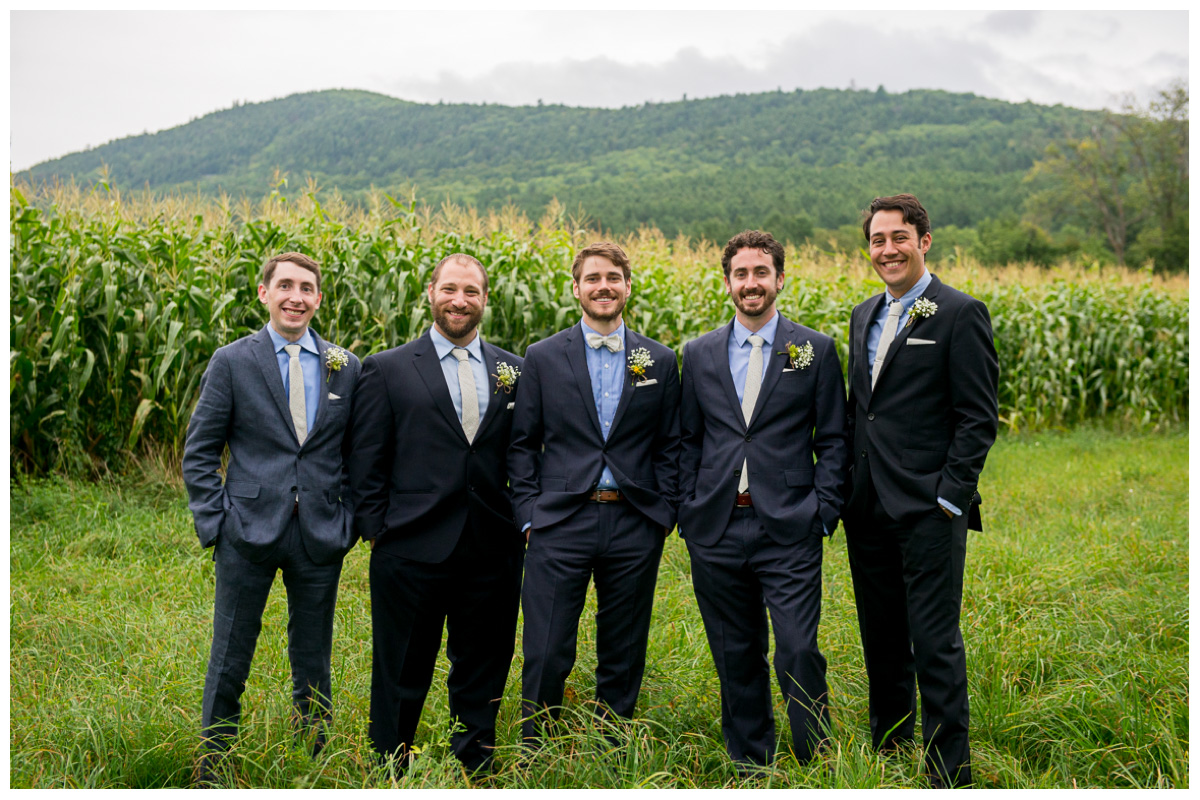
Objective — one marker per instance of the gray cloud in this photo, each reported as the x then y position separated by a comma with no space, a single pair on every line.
1011,23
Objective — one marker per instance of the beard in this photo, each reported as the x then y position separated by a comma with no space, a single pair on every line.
768,302
605,313
454,328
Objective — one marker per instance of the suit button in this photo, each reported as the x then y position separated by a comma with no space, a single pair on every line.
871,415
863,453
471,487
747,437
292,489
737,473
472,451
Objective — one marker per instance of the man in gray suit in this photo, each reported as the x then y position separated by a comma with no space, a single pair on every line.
280,399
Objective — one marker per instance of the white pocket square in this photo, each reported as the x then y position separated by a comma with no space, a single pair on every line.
789,369
510,405
333,396
650,382
919,341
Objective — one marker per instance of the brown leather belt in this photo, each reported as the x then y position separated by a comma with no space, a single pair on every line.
607,496
743,500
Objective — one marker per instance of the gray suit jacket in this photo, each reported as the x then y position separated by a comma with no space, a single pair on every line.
242,404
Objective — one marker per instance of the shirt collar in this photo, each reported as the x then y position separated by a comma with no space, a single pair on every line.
741,333
306,341
443,346
620,331
910,297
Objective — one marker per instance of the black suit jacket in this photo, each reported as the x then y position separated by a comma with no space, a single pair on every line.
800,414
413,475
926,429
558,452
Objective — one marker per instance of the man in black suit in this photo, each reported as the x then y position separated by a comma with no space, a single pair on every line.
762,396
426,455
593,468
922,414
280,400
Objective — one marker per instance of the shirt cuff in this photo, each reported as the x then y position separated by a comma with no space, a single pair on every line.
528,525
950,507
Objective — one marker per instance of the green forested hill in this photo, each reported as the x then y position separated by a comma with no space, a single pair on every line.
787,160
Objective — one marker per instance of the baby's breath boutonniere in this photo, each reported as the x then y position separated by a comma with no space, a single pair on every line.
921,309
639,362
798,357
506,377
335,359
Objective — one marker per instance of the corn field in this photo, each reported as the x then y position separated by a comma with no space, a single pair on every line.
117,303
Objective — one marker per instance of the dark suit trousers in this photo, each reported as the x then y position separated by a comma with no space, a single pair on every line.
618,546
908,589
733,579
476,594
241,595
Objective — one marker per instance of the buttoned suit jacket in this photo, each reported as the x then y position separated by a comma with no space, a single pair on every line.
242,404
414,476
799,416
558,452
926,428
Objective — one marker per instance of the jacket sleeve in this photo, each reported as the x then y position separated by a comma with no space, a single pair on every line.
207,434
665,453
974,405
830,441
525,450
370,450
691,425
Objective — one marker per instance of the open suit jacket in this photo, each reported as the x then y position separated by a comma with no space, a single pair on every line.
925,430
242,403
415,476
798,415
556,412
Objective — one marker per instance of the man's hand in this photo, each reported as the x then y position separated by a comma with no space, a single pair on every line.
527,532
947,511
371,543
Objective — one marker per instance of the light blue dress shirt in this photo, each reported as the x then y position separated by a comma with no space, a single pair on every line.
875,333
607,371
310,364
449,363
740,348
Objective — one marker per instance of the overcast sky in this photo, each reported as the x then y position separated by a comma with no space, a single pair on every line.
80,79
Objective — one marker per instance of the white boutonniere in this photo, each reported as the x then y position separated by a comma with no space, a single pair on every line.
798,357
335,359
922,309
506,377
639,362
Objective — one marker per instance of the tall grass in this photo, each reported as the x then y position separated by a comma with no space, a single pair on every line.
1075,620
118,302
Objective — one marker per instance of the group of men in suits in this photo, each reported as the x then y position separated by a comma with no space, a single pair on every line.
485,483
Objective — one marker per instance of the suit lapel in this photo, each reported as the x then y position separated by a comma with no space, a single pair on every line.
863,363
264,353
578,360
720,362
902,334
632,342
426,362
322,390
496,398
773,365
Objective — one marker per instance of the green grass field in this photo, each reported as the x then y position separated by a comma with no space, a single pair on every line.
1075,620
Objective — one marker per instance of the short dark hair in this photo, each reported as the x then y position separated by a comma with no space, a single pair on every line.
299,259
461,257
609,250
757,240
907,204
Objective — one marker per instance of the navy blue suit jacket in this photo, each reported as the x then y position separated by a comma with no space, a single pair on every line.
414,476
558,452
800,414
242,404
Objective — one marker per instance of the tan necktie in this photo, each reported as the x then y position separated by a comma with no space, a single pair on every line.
750,397
885,340
470,400
296,392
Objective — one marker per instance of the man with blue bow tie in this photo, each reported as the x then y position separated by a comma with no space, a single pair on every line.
593,473
922,414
